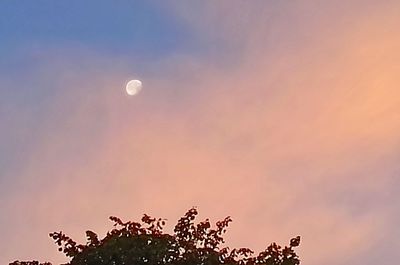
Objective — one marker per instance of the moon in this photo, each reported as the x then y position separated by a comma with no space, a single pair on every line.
133,87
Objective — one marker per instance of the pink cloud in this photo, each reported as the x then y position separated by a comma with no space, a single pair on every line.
273,141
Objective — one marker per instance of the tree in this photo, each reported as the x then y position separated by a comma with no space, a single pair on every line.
144,243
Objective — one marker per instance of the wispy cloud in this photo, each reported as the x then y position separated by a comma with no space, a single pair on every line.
298,134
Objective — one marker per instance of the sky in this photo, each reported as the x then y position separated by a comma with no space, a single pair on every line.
284,115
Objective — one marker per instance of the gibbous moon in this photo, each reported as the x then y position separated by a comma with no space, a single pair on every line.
133,87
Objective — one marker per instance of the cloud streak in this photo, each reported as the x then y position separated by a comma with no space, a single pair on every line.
297,134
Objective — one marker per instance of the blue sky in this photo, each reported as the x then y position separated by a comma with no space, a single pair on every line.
137,32
120,27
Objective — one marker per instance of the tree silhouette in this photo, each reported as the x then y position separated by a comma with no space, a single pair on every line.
144,243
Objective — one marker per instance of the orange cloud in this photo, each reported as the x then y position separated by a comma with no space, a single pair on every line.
290,140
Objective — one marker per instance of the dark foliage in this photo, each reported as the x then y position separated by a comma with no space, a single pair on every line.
134,243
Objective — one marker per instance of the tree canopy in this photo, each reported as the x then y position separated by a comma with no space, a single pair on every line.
144,243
